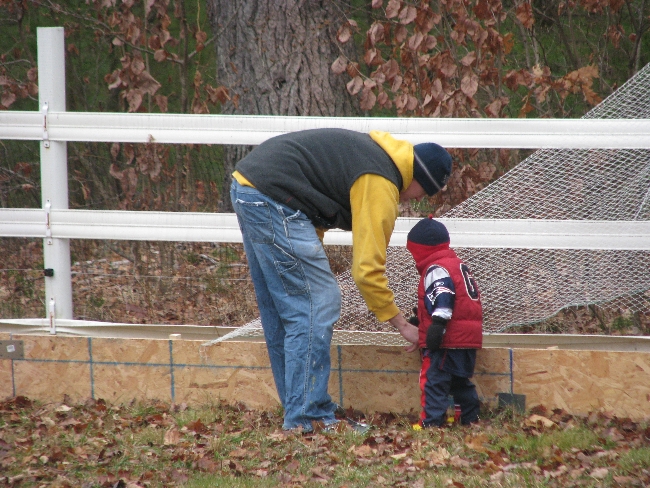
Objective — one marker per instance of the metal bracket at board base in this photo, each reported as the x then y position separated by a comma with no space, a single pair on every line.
11,350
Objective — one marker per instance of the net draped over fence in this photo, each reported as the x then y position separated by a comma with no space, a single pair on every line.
525,286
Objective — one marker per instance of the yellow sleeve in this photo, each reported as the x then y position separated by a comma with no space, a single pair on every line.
374,202
241,179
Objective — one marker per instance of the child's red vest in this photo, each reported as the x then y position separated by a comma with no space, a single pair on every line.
465,329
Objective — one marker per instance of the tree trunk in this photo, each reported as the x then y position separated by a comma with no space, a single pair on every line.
274,58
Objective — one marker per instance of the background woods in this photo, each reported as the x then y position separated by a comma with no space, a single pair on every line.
121,56
276,61
445,58
488,58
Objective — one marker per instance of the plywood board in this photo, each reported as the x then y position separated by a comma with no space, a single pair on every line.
52,368
377,358
55,348
119,383
251,354
376,378
50,381
235,372
492,374
381,392
387,378
135,351
253,387
367,378
584,381
6,381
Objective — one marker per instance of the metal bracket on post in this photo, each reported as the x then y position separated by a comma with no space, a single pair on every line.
52,310
48,222
46,136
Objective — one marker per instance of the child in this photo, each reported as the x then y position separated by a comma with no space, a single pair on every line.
450,325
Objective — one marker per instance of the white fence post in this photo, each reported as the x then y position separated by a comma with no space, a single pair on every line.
54,174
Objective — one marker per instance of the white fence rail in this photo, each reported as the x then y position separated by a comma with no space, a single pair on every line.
223,227
255,129
56,224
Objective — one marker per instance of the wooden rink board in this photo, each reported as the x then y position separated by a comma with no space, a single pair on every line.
365,377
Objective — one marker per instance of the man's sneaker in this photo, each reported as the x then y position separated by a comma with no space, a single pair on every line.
359,427
343,425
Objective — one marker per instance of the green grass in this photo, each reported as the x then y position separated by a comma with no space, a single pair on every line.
635,459
522,447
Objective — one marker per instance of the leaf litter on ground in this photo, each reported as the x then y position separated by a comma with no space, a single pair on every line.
155,444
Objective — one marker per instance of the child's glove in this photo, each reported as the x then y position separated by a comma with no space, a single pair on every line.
435,333
414,320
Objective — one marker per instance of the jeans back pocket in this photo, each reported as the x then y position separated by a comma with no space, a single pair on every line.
256,217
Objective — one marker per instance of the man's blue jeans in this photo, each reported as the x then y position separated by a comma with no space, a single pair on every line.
299,301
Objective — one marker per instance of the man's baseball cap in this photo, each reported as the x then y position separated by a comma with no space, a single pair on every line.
431,166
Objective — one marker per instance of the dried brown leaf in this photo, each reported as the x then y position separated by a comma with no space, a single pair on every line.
525,14
408,14
147,83
439,457
353,69
240,453
401,32
219,94
373,57
293,466
134,98
448,66
494,108
7,99
355,85
459,462
32,74
486,171
161,101
160,55
476,442
339,65
383,100
208,465
539,421
411,102
376,33
469,59
344,34
393,8
137,65
172,436
415,41
368,99
469,84
201,36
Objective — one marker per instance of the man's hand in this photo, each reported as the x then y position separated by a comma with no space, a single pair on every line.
408,331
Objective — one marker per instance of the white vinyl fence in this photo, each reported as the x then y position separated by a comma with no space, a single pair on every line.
57,224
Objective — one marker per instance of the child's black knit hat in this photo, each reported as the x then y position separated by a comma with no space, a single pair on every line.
428,232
